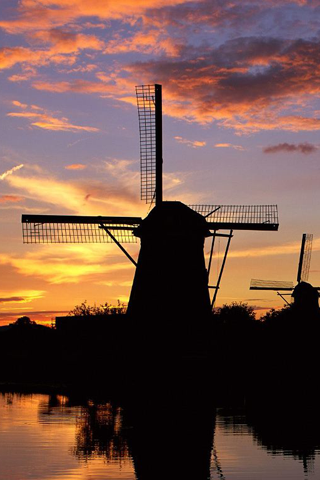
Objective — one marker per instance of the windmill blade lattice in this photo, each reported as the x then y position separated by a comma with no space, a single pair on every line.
270,285
77,229
305,257
239,217
147,128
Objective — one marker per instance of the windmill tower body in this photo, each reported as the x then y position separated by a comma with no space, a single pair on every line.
171,265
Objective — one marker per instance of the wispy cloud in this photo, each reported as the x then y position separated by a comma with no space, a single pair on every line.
75,166
42,118
21,296
285,249
117,194
69,263
228,145
191,143
11,171
10,198
305,148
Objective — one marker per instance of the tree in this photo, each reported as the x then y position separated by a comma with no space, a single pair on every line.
237,313
276,317
24,322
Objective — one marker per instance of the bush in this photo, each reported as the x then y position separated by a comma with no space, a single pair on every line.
84,310
235,314
277,317
24,322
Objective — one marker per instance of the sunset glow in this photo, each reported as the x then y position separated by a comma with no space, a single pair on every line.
241,121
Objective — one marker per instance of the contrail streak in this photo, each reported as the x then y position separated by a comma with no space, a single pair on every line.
9,172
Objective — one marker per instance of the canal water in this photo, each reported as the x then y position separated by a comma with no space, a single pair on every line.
54,437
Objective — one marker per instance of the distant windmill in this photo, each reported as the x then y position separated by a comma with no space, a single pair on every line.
302,274
171,274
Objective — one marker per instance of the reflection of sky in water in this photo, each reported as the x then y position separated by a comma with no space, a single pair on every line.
242,456
48,438
37,442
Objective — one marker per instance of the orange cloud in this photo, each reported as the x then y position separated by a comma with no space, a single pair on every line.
64,42
64,48
191,143
228,145
45,14
10,198
152,41
76,86
75,166
10,56
16,103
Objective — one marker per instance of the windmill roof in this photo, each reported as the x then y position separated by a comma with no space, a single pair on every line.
174,217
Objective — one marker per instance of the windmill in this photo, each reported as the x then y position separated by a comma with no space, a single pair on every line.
171,275
302,273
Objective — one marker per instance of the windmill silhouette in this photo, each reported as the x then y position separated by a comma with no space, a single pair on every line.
302,273
171,275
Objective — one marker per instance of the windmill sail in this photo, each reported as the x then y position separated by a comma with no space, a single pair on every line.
239,217
149,101
275,285
305,258
77,229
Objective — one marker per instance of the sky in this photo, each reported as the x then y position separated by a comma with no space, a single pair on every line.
241,121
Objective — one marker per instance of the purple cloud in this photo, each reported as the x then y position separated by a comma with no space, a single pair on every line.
305,148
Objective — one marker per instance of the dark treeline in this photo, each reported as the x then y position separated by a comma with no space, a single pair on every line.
239,356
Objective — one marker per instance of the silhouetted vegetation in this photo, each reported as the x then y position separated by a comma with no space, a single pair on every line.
247,355
24,322
84,310
237,313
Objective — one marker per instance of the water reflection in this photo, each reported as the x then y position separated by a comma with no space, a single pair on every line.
172,440
101,432
160,434
294,432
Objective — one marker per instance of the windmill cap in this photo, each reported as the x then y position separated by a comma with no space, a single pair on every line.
304,288
173,218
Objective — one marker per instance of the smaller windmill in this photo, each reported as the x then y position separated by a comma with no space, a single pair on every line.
302,275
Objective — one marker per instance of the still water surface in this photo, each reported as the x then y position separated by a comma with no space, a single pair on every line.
53,438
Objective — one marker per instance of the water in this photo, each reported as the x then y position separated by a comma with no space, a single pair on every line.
58,438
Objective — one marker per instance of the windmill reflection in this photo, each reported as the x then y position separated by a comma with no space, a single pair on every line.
169,432
164,438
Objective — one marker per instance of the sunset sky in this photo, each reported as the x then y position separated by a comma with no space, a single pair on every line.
241,105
